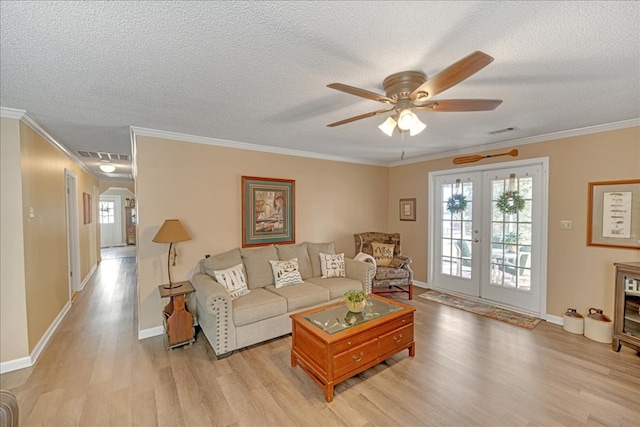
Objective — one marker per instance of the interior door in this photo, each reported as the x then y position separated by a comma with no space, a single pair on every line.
458,232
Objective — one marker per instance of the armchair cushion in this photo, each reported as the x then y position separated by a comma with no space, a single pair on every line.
388,273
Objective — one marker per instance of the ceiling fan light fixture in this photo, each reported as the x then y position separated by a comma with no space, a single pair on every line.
407,119
417,127
107,168
388,126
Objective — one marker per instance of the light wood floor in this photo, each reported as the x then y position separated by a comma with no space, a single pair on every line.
468,370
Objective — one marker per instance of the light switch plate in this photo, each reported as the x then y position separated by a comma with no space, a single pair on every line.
566,225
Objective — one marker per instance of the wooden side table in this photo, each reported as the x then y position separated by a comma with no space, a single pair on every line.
178,322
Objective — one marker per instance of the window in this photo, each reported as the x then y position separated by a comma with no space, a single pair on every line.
107,210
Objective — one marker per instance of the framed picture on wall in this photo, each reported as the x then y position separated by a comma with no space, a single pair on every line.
613,217
407,209
268,211
86,207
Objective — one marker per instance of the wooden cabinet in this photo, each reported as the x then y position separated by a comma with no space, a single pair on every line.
332,358
626,323
177,321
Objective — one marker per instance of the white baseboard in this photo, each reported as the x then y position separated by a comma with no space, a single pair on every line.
420,284
88,276
14,365
25,362
555,319
151,332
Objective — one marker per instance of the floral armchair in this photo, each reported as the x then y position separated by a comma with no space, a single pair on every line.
393,273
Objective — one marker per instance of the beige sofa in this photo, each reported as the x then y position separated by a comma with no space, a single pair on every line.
263,313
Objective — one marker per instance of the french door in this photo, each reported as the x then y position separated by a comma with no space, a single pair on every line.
489,231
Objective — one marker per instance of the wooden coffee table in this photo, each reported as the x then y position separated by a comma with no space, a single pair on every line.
331,344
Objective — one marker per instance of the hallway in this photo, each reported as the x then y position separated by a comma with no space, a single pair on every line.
95,371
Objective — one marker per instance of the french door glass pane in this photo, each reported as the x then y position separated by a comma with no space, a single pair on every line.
457,232
511,236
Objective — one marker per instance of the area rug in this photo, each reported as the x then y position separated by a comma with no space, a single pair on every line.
508,316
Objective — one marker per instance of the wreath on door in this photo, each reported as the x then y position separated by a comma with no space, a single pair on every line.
510,203
457,203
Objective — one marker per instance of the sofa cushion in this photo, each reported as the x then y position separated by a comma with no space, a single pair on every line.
336,286
314,255
302,295
383,253
285,273
233,280
257,267
221,261
259,304
332,265
297,251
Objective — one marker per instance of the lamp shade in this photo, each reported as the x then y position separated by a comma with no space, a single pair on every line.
171,231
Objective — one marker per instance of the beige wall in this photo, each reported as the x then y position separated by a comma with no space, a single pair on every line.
34,282
13,301
45,235
201,186
578,276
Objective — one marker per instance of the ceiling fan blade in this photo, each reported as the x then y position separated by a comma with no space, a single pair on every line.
452,75
361,116
361,92
453,105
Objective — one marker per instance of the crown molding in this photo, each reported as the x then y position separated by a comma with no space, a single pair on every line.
23,116
11,113
154,133
523,141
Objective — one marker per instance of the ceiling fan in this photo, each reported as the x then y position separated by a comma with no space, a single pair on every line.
411,90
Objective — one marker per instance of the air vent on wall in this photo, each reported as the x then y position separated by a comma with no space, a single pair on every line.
104,156
496,132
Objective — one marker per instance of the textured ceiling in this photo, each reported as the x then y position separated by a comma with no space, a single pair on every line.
256,72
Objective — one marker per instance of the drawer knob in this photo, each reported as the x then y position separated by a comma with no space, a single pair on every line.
356,358
397,338
348,342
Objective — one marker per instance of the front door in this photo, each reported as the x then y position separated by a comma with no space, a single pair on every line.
489,233
110,215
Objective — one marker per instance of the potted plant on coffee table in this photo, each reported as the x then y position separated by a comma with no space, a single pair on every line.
355,300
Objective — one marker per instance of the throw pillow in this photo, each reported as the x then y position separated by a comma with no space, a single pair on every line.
286,273
233,280
383,253
332,265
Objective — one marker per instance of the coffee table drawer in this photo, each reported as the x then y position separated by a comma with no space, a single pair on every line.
354,358
396,339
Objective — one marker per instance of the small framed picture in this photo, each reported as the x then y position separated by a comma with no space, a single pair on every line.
408,209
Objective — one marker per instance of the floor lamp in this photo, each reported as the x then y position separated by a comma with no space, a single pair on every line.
171,232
